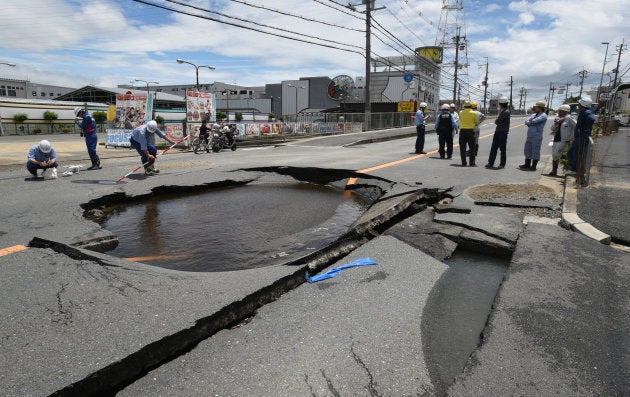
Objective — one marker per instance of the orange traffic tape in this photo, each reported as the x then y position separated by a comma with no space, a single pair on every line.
13,249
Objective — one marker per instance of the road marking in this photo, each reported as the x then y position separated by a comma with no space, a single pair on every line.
13,249
352,181
156,257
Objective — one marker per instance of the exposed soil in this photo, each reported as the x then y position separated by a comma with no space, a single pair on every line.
525,193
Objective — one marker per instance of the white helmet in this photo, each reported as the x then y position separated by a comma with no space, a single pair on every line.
77,110
452,105
565,108
215,126
44,146
445,106
503,100
586,102
423,104
225,129
152,126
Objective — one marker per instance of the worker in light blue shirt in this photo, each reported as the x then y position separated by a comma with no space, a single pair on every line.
141,141
421,117
42,157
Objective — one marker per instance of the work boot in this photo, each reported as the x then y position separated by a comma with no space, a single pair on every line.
155,170
554,169
527,165
148,170
533,167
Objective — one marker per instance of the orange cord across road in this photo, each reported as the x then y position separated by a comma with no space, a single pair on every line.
13,249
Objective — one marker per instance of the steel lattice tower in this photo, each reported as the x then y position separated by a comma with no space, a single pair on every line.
451,36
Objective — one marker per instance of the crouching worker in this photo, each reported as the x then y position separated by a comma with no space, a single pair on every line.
42,157
141,138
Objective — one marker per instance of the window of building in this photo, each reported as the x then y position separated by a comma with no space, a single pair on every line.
3,91
34,93
42,93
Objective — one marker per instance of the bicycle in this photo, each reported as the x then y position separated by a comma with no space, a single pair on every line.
200,144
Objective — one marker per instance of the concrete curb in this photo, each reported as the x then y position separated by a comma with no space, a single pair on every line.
572,219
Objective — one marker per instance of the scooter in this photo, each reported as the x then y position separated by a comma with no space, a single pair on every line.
223,140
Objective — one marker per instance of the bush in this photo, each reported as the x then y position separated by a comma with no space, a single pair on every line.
20,117
37,130
159,120
100,118
238,116
221,116
66,130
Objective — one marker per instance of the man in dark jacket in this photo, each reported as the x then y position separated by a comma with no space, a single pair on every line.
499,141
581,138
444,126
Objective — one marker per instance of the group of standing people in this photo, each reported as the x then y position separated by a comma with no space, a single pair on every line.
565,130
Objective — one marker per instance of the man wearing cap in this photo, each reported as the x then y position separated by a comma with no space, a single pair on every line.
468,119
86,122
562,130
42,157
421,117
581,136
535,125
141,138
499,140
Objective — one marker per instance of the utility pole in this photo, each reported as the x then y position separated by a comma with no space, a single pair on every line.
582,74
369,7
612,100
601,79
485,89
511,82
456,63
566,95
520,101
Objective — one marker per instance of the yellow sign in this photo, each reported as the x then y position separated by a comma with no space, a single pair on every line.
432,53
111,113
407,106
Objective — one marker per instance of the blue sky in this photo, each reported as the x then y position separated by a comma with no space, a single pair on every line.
110,42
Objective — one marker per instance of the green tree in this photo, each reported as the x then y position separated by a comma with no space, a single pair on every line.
271,116
221,115
100,118
159,119
238,116
20,118
50,117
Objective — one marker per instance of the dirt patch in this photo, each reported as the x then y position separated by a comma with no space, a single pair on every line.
523,193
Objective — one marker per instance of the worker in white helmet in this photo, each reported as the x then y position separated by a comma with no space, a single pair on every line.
42,157
141,141
421,117
562,130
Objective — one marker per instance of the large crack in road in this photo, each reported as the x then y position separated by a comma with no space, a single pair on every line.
404,212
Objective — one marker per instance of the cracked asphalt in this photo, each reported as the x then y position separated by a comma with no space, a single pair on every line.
77,322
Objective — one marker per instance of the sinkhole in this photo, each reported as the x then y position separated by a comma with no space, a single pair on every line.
233,228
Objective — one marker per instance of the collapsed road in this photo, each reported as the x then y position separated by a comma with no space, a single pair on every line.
78,322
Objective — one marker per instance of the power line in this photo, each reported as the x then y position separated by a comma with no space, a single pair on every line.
259,24
294,15
247,27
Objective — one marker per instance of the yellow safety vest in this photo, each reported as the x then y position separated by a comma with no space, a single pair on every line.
468,119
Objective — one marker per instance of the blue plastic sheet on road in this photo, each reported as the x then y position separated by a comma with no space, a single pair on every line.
333,272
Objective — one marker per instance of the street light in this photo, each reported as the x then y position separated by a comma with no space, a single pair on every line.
296,98
601,79
196,69
147,83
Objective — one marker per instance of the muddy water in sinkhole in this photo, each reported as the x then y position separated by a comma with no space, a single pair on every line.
233,228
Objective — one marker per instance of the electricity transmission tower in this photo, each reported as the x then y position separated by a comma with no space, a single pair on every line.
451,36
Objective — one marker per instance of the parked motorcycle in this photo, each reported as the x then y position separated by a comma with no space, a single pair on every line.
223,139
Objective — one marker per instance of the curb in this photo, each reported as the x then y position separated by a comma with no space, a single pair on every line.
571,218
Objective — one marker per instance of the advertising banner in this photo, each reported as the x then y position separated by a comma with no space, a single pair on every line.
200,106
118,138
131,110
